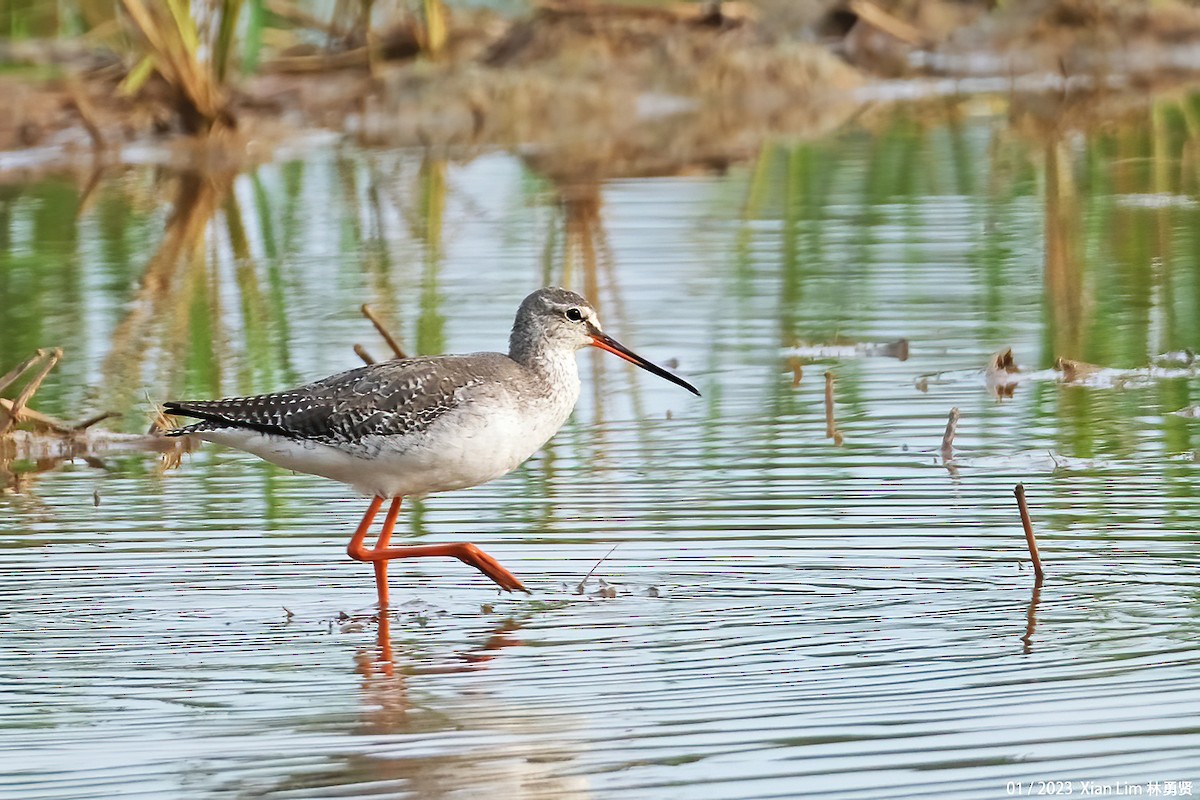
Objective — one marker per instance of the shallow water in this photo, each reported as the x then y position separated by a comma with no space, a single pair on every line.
777,611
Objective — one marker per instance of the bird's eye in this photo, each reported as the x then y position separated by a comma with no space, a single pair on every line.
574,314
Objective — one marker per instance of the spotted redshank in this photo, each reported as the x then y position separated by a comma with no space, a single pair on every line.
415,426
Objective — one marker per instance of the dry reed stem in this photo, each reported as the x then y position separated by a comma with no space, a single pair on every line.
876,17
797,371
579,587
87,113
831,430
434,31
37,419
948,436
362,353
297,17
1019,492
383,331
48,359
829,404
325,62
173,457
173,45
83,425
16,371
686,13
161,421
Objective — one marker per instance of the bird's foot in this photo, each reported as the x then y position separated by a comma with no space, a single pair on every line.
472,555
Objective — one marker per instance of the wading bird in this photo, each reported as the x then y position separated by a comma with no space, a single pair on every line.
411,427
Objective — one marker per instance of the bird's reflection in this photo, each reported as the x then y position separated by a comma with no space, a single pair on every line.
385,684
522,758
387,692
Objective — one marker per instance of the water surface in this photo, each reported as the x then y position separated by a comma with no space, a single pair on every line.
777,611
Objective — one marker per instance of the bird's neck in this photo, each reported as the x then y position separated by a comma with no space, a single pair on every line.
555,366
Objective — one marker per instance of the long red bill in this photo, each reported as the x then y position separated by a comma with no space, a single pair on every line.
606,342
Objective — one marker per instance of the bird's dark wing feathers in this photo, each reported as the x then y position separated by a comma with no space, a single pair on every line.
388,398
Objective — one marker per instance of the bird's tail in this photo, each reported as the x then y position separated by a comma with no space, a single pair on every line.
194,409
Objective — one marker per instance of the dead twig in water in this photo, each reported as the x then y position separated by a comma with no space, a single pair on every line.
35,419
829,404
362,353
15,411
797,371
48,358
948,436
831,430
383,331
1019,492
92,420
18,370
579,587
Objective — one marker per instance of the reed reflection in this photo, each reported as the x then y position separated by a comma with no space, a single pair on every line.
1031,610
431,323
1066,320
584,239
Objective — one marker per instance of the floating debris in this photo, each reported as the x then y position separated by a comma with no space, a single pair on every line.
1162,367
1174,360
1154,201
897,350
1001,374
39,442
1074,371
1027,461
16,412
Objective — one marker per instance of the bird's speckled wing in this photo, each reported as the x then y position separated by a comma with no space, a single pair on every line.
389,398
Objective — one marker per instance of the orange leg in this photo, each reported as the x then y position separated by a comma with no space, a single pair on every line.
385,536
382,553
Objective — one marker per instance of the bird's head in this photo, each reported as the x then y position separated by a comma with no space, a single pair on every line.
563,319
